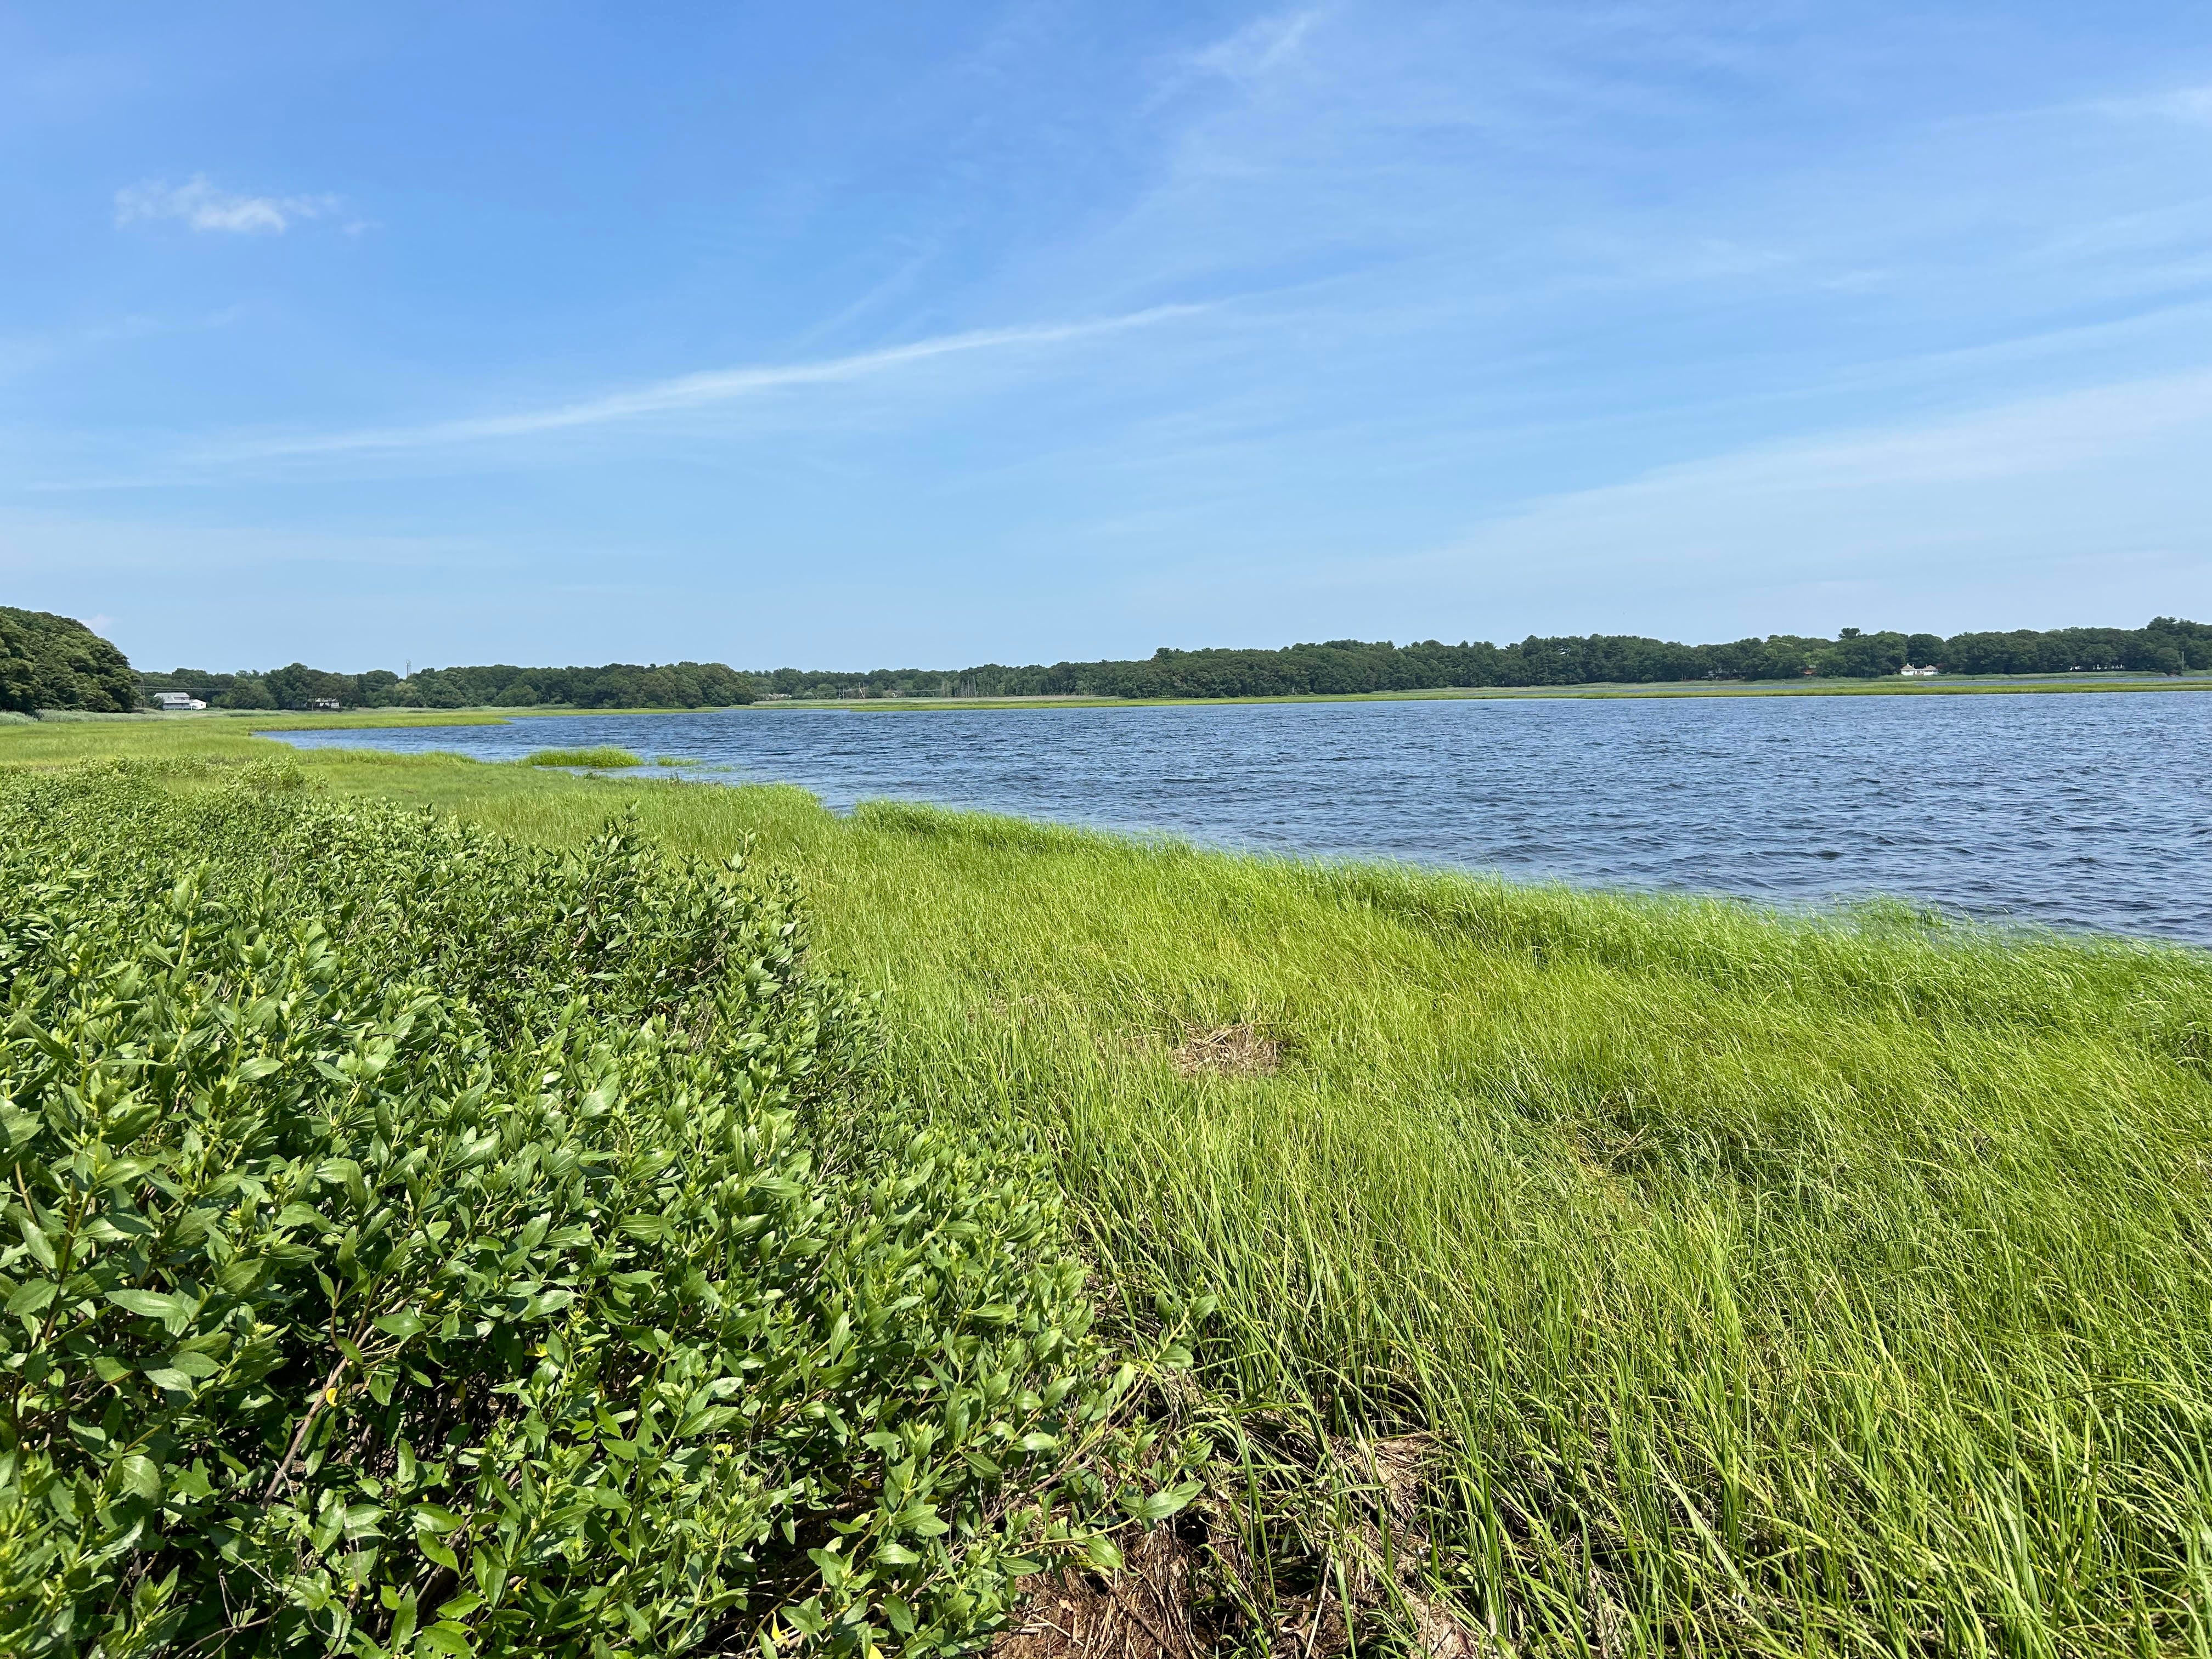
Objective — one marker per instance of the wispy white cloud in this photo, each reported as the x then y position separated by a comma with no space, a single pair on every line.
689,391
119,555
35,351
900,281
2083,473
2035,435
199,203
2078,506
1262,44
1247,58
2189,104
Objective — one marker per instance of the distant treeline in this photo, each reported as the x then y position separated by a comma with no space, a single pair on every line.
1337,666
2165,646
57,662
615,685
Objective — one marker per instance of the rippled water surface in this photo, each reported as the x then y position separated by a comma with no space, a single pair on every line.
2081,811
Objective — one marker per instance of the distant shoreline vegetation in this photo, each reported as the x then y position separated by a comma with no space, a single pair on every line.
499,685
1334,668
1348,667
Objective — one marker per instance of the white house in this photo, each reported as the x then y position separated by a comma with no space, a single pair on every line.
176,701
1912,673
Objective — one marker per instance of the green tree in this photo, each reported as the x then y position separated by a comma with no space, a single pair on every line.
57,662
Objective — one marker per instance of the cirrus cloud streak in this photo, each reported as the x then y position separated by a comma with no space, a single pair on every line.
695,391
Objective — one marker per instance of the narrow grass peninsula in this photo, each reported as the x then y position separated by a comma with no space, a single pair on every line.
604,757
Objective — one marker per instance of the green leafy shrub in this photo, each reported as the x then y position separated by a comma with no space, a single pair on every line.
418,1243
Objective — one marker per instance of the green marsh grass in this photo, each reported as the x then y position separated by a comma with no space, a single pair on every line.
1746,1283
604,756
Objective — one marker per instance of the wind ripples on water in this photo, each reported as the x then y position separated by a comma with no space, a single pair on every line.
2080,811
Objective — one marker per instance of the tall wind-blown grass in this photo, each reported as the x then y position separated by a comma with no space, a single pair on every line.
1734,1282
1754,1283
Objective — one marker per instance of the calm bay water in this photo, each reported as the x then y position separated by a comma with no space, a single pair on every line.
2077,810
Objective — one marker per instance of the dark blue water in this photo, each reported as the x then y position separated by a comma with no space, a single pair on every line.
2083,811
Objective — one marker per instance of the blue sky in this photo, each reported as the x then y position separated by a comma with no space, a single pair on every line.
851,335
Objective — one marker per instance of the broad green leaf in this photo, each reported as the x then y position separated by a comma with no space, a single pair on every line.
41,1248
435,1551
1157,1506
150,1304
140,1476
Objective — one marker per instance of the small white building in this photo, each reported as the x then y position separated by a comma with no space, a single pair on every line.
1912,673
176,701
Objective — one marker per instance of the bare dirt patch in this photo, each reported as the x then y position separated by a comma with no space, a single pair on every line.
1240,1050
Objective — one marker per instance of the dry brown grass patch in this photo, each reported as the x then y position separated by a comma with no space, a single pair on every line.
1191,1588
1239,1050
1140,1612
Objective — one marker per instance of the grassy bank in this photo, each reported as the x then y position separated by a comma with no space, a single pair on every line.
1632,1275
